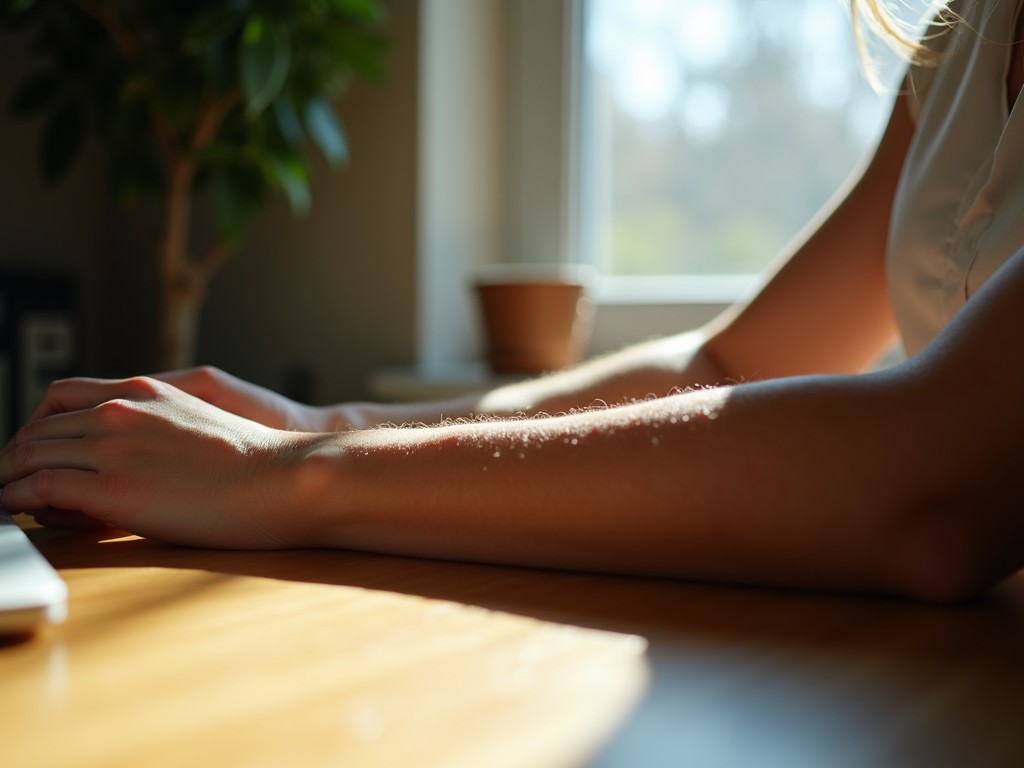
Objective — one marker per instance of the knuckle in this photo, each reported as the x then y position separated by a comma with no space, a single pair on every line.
209,379
44,484
142,387
21,457
115,412
60,384
24,434
206,382
209,373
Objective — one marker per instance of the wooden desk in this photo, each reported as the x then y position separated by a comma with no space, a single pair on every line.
179,657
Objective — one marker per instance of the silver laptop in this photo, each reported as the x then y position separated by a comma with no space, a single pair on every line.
32,593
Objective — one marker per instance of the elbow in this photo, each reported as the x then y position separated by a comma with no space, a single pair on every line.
953,553
935,569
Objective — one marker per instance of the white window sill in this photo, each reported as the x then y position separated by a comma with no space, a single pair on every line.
675,289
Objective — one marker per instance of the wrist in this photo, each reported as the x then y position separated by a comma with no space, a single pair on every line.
319,493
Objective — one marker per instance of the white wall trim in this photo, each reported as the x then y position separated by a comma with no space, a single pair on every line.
495,167
461,168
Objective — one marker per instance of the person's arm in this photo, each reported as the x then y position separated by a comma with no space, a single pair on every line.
903,481
836,481
824,310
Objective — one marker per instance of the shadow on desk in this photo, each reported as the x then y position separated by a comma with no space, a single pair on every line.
869,681
608,602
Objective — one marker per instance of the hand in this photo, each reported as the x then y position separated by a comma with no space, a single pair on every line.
247,400
147,457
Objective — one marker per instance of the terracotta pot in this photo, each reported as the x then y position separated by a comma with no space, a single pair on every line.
535,321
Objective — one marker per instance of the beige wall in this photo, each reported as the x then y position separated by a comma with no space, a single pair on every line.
332,294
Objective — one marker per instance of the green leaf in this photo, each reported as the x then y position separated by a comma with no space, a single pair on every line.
289,176
63,137
265,57
229,197
34,94
288,120
326,131
366,10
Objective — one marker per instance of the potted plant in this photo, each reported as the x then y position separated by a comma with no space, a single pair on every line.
536,317
225,98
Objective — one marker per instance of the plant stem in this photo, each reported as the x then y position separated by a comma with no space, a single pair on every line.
107,15
181,286
183,281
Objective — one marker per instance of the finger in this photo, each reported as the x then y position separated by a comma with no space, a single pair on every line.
64,395
78,394
73,490
28,458
60,426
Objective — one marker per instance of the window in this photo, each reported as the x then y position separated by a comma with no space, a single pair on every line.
677,144
711,131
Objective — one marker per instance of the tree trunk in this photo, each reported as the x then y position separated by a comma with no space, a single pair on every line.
182,285
181,301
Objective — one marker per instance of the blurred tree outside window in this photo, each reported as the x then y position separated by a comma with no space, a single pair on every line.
714,130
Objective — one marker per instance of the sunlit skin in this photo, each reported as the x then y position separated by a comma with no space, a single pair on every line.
753,451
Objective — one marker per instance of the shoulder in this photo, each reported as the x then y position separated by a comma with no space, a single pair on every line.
940,36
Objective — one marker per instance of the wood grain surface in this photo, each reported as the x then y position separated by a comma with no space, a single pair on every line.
184,657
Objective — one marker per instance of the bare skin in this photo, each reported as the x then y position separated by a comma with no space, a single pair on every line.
754,451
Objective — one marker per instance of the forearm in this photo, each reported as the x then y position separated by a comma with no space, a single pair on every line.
901,481
654,368
650,369
728,484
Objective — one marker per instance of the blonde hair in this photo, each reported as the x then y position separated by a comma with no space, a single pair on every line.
879,17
